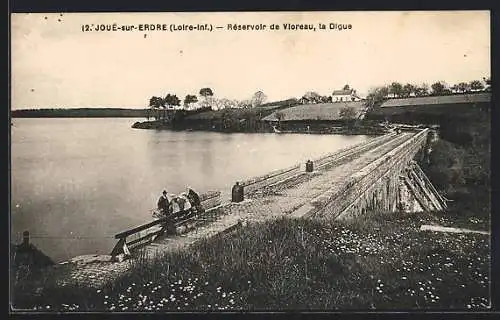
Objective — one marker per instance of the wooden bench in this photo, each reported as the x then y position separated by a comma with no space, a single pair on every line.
141,235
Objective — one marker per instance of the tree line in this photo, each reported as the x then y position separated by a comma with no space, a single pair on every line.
159,105
439,88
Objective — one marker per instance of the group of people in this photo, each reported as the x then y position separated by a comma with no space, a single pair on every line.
171,205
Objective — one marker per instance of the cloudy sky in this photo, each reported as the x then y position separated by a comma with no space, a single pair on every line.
55,64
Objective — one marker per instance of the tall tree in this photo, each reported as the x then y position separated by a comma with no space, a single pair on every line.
155,103
422,90
437,88
206,93
346,87
170,100
463,87
476,85
383,91
408,90
175,100
258,98
189,99
375,97
396,89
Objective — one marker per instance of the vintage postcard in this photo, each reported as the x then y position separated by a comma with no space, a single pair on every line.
250,161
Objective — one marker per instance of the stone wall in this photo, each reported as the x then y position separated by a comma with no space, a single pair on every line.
344,154
210,199
379,186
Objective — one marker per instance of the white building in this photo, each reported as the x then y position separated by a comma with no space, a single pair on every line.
345,96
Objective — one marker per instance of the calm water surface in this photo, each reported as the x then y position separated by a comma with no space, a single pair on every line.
77,182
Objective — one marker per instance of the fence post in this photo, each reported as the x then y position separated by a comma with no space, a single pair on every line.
309,166
237,193
26,239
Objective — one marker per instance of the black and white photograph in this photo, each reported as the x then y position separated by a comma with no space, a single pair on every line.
214,162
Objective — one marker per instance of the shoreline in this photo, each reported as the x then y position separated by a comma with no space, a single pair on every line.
360,130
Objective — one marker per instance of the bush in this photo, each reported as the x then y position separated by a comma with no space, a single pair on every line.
470,130
445,168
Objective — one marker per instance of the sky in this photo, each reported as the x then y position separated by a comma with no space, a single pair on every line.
56,64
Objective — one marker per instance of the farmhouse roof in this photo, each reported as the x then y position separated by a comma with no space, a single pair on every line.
483,97
319,111
342,92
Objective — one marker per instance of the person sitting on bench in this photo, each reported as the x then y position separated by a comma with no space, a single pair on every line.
163,204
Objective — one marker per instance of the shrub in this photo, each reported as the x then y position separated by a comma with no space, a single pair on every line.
446,165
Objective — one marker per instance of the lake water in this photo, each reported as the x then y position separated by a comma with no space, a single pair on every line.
77,182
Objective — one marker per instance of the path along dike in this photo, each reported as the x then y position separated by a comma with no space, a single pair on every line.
292,193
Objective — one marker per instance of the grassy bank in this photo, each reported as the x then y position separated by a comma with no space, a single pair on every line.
382,262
